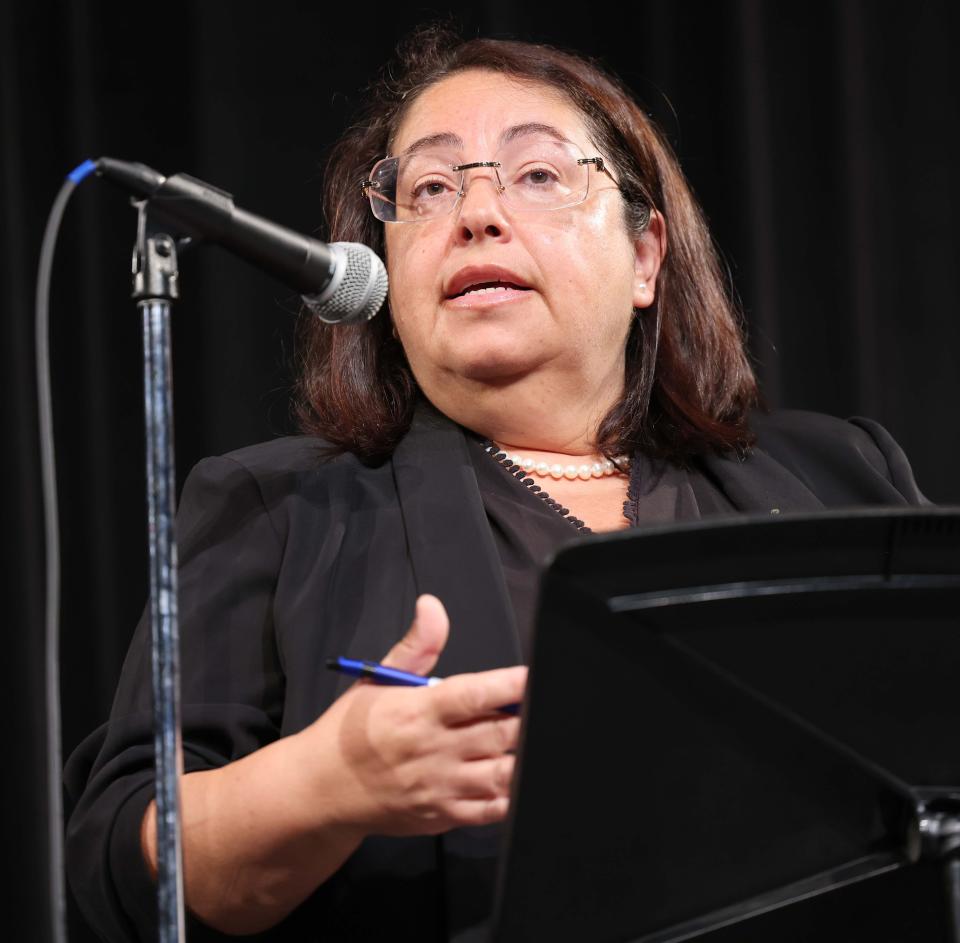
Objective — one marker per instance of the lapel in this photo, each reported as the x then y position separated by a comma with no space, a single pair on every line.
451,548
453,555
760,484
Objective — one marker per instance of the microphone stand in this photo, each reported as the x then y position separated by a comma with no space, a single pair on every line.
155,287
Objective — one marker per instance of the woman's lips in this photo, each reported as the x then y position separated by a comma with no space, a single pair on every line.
487,297
482,276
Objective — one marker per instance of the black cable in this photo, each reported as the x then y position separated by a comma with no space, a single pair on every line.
48,471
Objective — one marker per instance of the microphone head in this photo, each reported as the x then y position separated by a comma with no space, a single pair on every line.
358,287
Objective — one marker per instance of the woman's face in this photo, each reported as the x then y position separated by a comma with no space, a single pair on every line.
581,272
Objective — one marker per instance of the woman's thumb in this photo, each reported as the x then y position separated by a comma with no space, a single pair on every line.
420,648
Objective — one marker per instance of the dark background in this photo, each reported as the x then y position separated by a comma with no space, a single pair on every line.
821,138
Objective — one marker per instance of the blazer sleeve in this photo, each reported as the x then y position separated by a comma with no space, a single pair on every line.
844,463
897,465
232,688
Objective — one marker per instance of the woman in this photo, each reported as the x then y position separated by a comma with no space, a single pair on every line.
557,325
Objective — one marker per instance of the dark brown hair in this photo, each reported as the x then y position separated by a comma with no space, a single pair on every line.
688,384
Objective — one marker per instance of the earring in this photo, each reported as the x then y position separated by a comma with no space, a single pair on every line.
643,287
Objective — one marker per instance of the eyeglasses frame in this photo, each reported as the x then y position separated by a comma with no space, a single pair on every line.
369,184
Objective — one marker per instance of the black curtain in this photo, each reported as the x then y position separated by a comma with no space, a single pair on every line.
821,138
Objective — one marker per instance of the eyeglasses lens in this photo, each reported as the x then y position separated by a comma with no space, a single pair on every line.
535,173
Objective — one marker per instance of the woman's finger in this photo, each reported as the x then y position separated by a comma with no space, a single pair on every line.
483,779
420,648
474,812
465,697
487,738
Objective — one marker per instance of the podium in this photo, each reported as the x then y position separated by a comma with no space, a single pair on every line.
743,730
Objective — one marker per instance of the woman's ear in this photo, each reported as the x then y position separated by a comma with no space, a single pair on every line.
651,247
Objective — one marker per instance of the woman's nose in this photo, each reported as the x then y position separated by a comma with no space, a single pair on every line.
481,210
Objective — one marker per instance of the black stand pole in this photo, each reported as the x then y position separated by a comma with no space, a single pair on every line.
154,289
938,824
952,879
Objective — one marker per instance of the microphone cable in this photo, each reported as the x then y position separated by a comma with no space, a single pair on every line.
51,529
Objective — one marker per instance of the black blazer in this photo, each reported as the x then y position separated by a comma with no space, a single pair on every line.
286,560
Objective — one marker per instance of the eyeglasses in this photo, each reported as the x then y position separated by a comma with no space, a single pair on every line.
538,173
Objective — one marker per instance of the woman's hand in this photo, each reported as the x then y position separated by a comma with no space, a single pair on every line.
413,761
261,833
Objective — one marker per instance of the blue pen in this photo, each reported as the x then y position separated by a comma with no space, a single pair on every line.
381,674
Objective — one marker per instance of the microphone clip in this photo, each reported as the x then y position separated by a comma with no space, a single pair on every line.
156,275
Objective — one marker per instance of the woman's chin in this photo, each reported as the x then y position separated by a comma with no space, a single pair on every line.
496,367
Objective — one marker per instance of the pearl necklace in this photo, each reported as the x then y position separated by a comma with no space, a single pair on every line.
571,472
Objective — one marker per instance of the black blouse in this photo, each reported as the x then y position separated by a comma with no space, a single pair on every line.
528,530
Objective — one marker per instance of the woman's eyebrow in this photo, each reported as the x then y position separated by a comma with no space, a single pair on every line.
532,127
443,138
449,139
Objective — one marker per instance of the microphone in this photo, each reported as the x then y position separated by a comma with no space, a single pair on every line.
341,282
